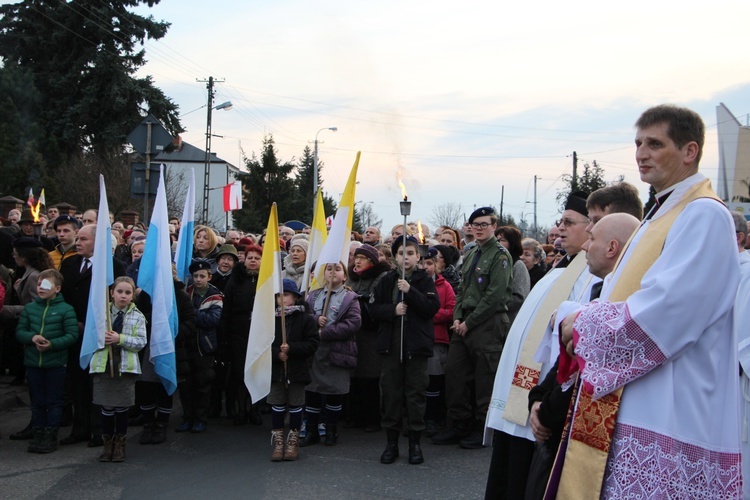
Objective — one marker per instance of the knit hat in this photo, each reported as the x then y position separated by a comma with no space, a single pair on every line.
299,242
228,249
291,286
369,252
449,253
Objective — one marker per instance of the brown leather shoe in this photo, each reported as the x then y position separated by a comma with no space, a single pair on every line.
292,446
106,455
118,450
277,440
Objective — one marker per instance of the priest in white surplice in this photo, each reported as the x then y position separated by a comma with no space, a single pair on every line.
657,415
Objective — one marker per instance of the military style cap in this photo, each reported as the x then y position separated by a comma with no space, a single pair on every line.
480,212
410,240
199,265
65,219
577,202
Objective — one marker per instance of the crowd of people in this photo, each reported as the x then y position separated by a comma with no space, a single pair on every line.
600,362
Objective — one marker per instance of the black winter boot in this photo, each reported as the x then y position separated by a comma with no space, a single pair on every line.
453,434
49,441
36,442
391,449
312,437
415,451
147,434
331,435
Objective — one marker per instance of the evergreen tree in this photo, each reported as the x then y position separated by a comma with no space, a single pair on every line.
304,199
81,58
268,181
651,200
591,179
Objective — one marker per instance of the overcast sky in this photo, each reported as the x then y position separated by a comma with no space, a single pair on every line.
463,97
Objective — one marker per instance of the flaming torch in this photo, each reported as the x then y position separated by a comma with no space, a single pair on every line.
422,247
35,208
405,207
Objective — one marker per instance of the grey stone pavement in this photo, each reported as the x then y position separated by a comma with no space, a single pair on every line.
228,462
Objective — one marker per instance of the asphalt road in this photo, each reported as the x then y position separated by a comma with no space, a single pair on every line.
229,462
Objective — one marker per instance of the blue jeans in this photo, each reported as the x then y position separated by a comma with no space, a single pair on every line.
46,393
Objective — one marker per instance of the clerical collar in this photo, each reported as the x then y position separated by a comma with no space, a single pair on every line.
660,199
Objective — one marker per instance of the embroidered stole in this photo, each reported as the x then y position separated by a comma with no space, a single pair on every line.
527,372
593,423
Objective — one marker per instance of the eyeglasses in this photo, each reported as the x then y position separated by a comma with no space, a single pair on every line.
560,251
570,222
480,225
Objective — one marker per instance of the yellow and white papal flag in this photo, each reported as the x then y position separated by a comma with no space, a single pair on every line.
263,323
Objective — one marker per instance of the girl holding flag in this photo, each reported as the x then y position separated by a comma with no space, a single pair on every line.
292,350
336,311
116,366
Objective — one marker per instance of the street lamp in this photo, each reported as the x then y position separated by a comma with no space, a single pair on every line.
315,161
226,106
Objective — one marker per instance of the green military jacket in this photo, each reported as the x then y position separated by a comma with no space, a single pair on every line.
485,289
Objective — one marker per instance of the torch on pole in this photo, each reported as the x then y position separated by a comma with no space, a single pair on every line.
405,207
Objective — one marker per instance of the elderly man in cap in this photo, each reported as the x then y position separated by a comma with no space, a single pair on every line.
26,223
479,329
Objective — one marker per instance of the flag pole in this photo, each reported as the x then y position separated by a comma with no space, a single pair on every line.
283,318
109,328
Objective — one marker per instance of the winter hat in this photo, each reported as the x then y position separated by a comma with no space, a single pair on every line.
228,249
449,253
291,286
299,242
369,252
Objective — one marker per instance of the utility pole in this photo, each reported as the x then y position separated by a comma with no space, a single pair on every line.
502,199
207,167
574,184
536,235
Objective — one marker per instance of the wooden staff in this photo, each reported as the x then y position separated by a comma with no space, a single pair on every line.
109,327
283,339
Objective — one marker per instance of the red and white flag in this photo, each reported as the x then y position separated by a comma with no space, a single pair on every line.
233,196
